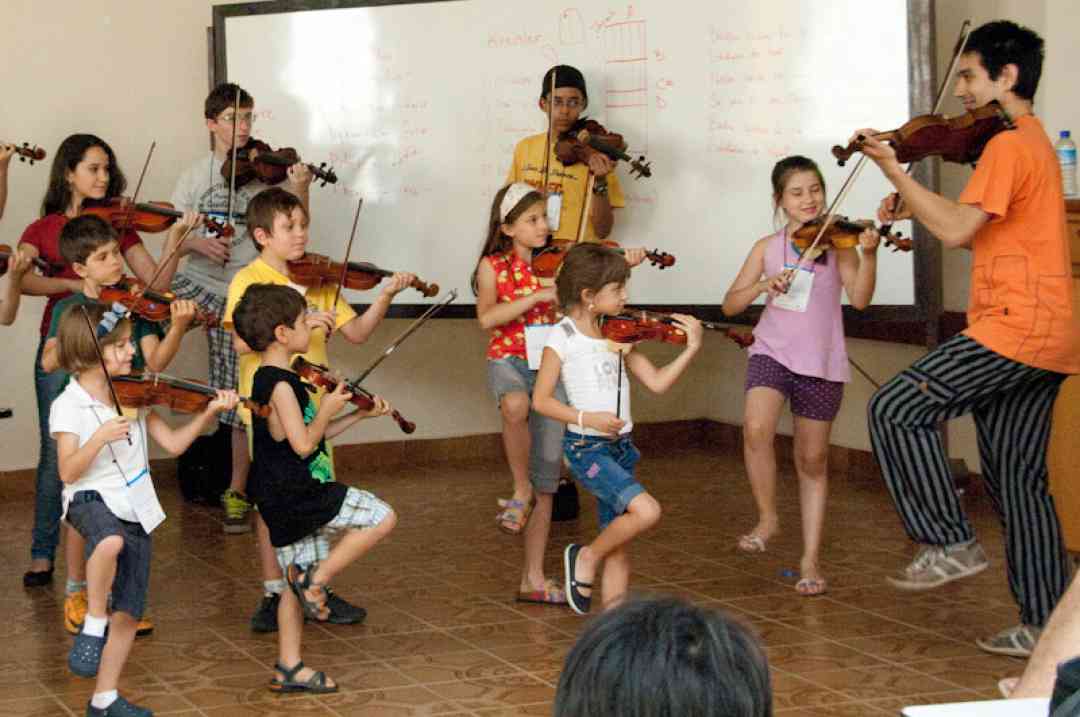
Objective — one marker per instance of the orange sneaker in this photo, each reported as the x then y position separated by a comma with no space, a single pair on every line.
74,612
145,627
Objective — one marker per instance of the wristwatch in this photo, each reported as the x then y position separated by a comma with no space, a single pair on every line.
600,187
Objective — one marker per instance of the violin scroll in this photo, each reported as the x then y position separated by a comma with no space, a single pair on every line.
29,154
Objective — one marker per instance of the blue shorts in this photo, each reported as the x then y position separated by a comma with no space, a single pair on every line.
605,467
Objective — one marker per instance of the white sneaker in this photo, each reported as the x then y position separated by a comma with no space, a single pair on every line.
935,565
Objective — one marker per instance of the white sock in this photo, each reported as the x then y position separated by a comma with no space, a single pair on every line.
102,700
274,587
95,626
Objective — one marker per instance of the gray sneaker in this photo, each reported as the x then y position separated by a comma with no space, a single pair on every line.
1018,641
935,565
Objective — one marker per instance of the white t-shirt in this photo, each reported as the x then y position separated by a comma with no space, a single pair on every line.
203,188
117,464
590,371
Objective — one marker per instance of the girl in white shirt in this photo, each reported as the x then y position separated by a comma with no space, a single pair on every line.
597,444
108,493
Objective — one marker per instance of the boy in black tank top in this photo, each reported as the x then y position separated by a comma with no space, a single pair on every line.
291,481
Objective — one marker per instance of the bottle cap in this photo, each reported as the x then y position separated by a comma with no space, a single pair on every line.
1065,133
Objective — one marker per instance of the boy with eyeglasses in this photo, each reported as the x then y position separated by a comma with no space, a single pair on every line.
567,185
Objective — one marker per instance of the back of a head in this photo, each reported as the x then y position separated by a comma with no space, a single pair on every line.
664,658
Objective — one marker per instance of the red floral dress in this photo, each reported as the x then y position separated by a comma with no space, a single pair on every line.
513,280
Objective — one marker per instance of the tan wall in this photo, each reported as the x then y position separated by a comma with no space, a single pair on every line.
107,67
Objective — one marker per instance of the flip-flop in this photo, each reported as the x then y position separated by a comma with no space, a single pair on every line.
551,594
514,513
751,543
811,587
1007,685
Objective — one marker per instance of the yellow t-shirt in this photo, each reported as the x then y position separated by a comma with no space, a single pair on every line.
528,167
1021,301
318,299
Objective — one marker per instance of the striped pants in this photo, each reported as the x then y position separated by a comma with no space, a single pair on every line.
1011,404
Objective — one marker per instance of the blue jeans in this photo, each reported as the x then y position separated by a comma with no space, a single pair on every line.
605,467
47,505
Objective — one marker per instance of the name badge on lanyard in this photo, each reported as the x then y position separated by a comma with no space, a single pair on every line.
535,338
797,297
144,501
554,210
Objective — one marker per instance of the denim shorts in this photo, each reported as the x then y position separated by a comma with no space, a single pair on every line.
512,375
811,397
89,515
605,467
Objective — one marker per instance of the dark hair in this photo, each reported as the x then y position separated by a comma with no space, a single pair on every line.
75,349
565,76
223,97
788,166
497,242
1001,43
82,236
68,155
262,309
588,266
265,206
664,658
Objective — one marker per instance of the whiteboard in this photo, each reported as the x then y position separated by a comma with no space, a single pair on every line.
418,108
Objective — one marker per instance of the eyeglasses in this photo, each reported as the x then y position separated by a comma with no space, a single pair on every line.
247,118
571,104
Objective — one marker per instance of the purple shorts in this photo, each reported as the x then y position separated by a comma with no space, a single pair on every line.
811,397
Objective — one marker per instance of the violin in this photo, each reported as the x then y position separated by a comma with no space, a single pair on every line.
844,234
548,259
150,305
6,253
588,137
150,217
958,139
641,325
319,375
257,160
155,389
29,154
318,270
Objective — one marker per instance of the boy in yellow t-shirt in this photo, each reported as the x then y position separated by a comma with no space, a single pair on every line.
278,224
566,185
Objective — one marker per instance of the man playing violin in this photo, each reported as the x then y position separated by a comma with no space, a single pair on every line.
566,185
1006,367
213,261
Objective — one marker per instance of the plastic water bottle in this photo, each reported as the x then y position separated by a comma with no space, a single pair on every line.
1066,154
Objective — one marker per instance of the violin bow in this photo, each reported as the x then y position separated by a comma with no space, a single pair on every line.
348,251
586,207
830,215
958,50
232,178
165,260
550,134
101,359
431,311
138,186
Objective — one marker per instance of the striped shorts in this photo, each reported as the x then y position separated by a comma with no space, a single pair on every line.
360,509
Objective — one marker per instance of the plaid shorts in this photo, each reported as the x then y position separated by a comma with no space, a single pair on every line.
360,509
89,515
224,363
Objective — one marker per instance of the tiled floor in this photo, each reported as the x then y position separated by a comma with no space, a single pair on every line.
444,637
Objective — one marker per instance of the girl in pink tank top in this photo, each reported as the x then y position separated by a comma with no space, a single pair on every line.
798,355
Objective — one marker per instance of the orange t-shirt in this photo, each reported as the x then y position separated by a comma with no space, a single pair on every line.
1021,296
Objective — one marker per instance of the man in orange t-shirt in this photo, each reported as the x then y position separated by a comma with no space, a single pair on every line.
1005,369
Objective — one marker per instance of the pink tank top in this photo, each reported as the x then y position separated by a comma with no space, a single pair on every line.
809,343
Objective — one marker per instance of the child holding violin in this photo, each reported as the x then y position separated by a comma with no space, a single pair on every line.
214,260
108,495
16,265
566,185
1022,340
292,480
84,173
798,355
277,222
597,444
